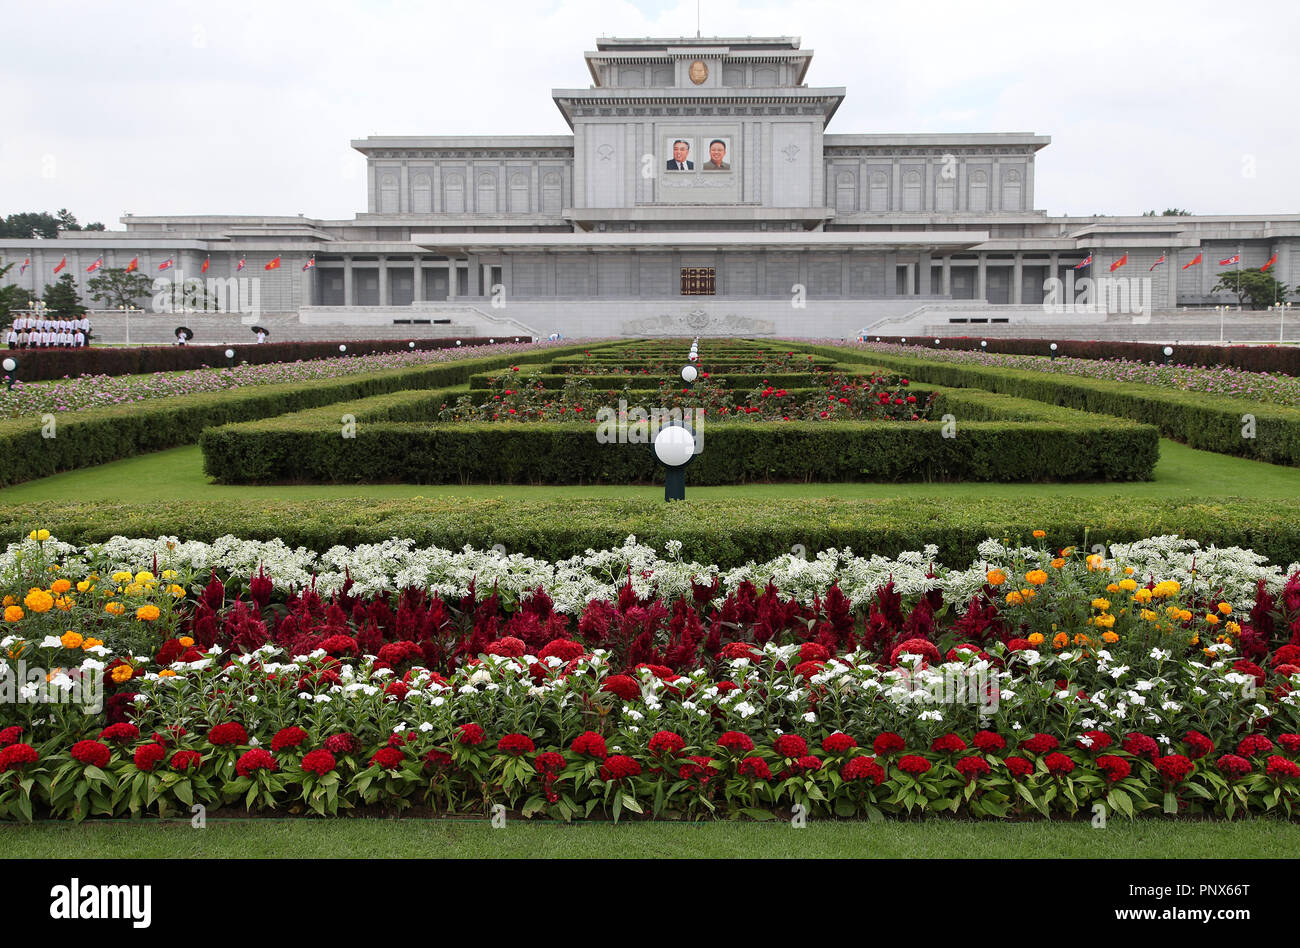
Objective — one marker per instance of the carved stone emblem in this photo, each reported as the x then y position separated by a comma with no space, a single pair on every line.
698,72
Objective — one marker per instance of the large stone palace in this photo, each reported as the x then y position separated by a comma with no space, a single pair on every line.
698,191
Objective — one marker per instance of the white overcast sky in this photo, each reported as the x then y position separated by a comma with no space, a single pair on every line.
247,108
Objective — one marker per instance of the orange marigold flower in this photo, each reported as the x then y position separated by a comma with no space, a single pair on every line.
60,586
122,673
38,600
71,639
13,613
147,613
1039,534
995,577
1036,577
115,608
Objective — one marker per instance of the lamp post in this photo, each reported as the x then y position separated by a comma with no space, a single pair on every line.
1053,348
984,344
230,358
410,345
674,447
126,312
1221,310
689,375
1281,320
342,348
936,343
1169,351
10,365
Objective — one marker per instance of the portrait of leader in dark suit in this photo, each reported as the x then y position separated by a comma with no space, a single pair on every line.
717,156
680,161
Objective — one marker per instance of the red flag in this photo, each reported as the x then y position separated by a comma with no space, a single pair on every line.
310,264
243,262
1156,264
26,263
95,266
1235,258
1271,260
166,264
1087,262
133,265
273,265
1194,261
206,261
62,263
1119,263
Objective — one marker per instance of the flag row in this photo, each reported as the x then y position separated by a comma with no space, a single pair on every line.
134,265
1234,260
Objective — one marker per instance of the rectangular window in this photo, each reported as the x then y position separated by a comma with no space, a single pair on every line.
698,281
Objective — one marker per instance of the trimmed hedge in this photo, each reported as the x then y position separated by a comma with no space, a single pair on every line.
776,379
1269,358
1208,422
98,435
35,365
724,532
996,439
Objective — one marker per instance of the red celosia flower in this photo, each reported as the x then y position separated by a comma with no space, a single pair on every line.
185,759
619,767
734,650
397,690
255,759
1019,645
888,743
1281,769
698,768
813,652
147,756
589,744
755,768
120,733
790,745
508,647
437,758
1234,766
666,743
1286,655
16,754
622,685
838,743
516,744
549,762
343,743
990,742
917,646
288,737
1253,744
1094,741
10,735
1290,742
736,742
808,763
808,669
973,767
1250,668
913,764
470,734
1115,768
863,768
1040,744
948,744
1175,768
231,732
1019,766
91,753
1058,763
1198,745
339,645
726,686
1140,745
563,649
388,758
319,762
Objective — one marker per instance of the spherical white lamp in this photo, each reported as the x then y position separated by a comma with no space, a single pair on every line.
9,365
230,353
689,374
1169,350
674,446
693,356
410,345
343,348
983,344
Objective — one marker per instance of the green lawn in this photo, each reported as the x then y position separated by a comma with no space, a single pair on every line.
1183,472
359,838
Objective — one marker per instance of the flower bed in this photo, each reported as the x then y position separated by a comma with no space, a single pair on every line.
1033,683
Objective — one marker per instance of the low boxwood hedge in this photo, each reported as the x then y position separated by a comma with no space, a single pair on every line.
98,435
726,532
1209,422
481,380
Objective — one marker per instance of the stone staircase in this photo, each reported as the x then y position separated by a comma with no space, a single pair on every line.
1161,327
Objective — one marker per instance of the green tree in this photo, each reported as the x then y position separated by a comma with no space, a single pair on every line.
61,299
116,288
1168,212
190,296
12,297
1260,288
29,224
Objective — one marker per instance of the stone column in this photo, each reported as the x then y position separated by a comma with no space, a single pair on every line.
945,287
451,278
348,298
417,280
909,281
1018,279
383,280
923,272
982,278
475,277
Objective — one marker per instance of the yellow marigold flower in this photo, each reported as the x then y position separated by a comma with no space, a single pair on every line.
60,586
1225,608
1110,638
1060,640
38,600
1112,587
1166,589
147,613
122,577
1058,563
92,643
1128,585
144,577
185,641
1014,598
1185,615
134,589
1028,593
169,574
13,613
1104,620
1039,534
64,603
1149,616
115,608
71,639
1094,562
122,673
178,592
1102,604
10,600
39,535
166,673
1196,640
1035,577
1211,618
85,586
1232,628
995,577
1036,639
